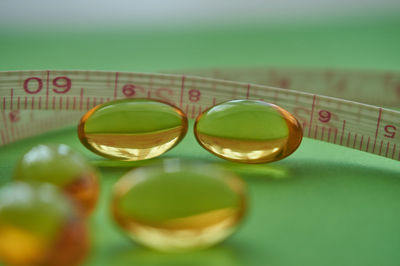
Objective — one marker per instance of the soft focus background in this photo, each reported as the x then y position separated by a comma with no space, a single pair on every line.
159,35
324,205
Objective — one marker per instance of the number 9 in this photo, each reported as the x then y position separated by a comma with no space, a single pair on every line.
324,116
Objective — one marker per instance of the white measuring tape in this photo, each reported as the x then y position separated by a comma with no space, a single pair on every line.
34,102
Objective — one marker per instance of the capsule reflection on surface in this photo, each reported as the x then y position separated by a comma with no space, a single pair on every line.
179,206
248,131
132,129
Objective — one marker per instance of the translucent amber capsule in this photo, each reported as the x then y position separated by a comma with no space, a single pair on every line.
132,129
61,166
40,226
177,207
248,131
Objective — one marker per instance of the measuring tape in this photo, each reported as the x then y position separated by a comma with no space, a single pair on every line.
34,102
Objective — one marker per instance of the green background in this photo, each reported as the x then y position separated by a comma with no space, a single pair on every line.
324,205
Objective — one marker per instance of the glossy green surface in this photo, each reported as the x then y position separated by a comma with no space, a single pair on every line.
132,116
244,119
56,163
40,209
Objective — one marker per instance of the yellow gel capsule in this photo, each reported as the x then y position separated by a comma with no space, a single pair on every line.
177,207
40,226
132,129
248,131
59,165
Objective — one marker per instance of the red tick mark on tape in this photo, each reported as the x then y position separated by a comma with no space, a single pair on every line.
355,140
343,127
248,91
81,100
12,95
348,139
47,89
377,128
329,134
116,85
182,88
315,131
311,116
387,149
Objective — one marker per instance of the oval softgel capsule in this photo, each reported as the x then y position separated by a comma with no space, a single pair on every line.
63,167
39,225
248,131
178,205
132,129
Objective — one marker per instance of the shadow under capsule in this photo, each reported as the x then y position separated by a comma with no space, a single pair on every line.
273,171
222,255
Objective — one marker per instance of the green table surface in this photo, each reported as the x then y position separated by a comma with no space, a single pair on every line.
324,205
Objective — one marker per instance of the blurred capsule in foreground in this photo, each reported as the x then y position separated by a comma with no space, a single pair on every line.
59,165
132,129
39,225
248,131
178,206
